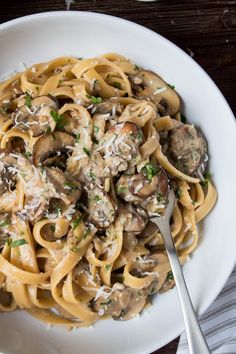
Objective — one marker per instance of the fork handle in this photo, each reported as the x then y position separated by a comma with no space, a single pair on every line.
196,340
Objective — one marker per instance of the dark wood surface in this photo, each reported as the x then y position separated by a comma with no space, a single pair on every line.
206,30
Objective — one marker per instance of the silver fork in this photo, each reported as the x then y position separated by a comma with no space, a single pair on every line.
196,340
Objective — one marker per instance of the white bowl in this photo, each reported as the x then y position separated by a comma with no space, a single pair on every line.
44,36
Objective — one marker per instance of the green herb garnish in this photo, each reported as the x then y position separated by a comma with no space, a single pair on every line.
76,222
97,198
87,152
92,175
4,223
58,211
160,197
87,232
121,189
150,170
53,228
107,267
208,178
71,185
117,84
59,119
178,192
94,99
183,118
171,86
48,130
95,129
77,139
16,243
105,302
169,276
27,154
27,100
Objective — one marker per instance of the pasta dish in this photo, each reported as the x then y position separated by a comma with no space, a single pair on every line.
88,151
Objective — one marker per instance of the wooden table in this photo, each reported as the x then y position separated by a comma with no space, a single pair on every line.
206,30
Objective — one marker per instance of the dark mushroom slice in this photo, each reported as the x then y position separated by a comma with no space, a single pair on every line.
148,85
51,145
134,218
101,208
121,142
122,304
107,106
8,172
186,148
34,208
64,184
36,116
136,188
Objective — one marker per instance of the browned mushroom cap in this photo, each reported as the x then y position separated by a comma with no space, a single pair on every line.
105,107
135,219
121,141
7,172
123,303
50,144
148,85
136,188
64,184
186,147
35,207
101,208
37,116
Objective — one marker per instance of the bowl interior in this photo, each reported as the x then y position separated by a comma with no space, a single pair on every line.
45,36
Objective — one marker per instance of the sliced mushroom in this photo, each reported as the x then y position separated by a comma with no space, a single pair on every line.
134,218
122,142
68,187
186,148
34,208
8,172
148,85
50,145
101,208
123,303
136,188
36,116
109,107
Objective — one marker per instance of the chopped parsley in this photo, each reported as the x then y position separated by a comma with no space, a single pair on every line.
107,267
170,276
58,211
74,249
92,175
171,86
59,119
60,82
160,197
27,100
27,154
16,243
150,170
3,110
208,178
4,223
121,189
105,303
95,129
95,99
117,84
71,185
178,192
136,67
183,118
76,222
77,139
97,198
48,130
87,151
53,228
86,234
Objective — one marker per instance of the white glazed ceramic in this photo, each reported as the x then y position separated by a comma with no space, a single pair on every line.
44,36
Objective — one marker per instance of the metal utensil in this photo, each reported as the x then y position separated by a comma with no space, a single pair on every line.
196,340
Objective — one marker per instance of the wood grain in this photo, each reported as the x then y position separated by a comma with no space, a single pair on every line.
206,30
